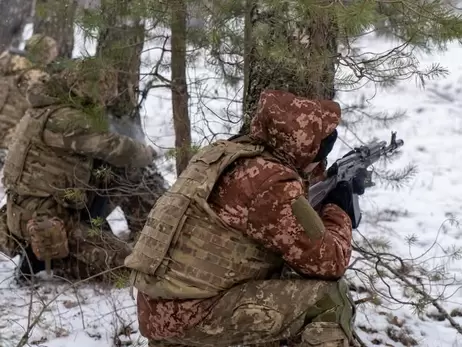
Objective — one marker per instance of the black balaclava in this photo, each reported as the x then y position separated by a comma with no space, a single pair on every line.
326,147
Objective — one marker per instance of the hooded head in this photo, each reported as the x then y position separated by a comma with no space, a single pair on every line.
41,49
89,79
293,127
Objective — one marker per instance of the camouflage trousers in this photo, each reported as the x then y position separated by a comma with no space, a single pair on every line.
94,252
273,312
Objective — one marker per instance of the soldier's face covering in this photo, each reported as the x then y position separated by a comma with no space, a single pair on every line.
326,147
316,170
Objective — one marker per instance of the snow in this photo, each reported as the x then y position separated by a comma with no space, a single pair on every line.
426,210
73,316
118,223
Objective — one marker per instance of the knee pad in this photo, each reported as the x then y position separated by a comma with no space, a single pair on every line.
337,307
324,334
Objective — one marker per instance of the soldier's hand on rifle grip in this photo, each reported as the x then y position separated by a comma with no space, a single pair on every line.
359,182
342,196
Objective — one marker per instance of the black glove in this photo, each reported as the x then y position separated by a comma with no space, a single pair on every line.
342,196
359,182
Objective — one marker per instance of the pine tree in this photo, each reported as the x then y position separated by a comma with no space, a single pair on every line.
310,47
296,53
55,18
181,121
118,27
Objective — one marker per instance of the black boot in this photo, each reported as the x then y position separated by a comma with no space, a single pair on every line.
28,266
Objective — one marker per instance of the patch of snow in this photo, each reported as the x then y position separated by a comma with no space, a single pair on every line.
83,46
428,207
27,33
118,223
63,315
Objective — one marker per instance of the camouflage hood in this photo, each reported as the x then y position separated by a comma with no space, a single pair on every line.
293,127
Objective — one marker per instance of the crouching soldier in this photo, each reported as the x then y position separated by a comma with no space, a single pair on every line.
17,70
205,261
50,171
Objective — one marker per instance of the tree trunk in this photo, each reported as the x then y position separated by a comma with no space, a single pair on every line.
181,121
294,54
120,45
55,18
15,15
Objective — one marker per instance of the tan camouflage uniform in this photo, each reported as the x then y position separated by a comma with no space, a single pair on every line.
16,72
204,262
48,172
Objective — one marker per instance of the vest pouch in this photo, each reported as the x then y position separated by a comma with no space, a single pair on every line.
17,218
166,288
215,153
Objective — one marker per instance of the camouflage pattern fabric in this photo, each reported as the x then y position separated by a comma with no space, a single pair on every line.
48,237
41,49
95,254
54,150
91,79
17,73
13,102
254,196
92,252
183,230
48,171
71,129
293,126
300,312
7,242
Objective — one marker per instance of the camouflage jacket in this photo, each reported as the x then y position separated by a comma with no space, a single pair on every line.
15,71
255,195
55,146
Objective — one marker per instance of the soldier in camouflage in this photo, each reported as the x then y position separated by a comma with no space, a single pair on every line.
207,265
16,72
50,172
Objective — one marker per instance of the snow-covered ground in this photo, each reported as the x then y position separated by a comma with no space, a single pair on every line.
419,222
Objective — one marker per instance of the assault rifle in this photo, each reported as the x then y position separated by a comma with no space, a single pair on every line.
350,166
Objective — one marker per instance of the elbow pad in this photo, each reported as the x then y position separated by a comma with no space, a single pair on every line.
308,218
